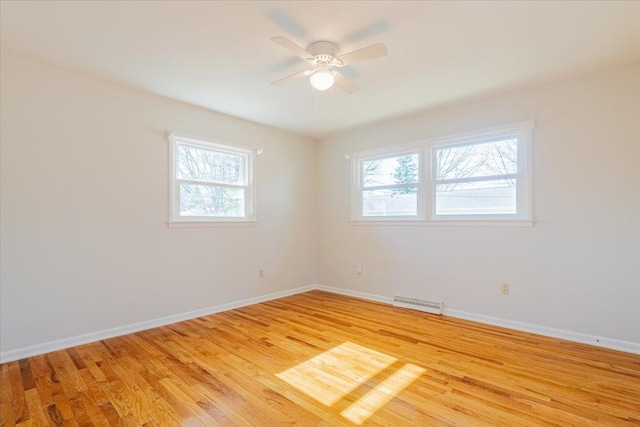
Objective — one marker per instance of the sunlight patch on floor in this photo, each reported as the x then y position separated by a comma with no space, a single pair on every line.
331,375
360,410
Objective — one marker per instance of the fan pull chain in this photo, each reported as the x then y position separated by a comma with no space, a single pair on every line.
332,98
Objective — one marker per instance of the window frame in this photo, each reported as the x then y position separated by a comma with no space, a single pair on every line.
522,131
179,139
384,153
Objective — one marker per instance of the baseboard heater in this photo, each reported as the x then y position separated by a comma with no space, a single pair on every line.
434,307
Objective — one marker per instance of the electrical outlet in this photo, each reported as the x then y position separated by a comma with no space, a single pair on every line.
505,288
260,274
358,268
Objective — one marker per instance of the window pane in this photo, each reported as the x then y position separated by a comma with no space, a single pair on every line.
471,198
390,202
210,166
390,171
206,200
486,159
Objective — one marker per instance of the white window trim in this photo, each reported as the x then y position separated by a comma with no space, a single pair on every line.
177,221
522,130
438,223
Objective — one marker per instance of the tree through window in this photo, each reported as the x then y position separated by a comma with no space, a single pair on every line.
481,175
477,178
210,181
390,186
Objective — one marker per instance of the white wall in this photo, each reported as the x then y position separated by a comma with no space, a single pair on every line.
577,269
84,203
85,245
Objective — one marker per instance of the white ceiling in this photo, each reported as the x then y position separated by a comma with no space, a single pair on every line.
219,55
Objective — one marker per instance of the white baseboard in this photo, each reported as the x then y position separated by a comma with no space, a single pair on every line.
627,346
355,294
21,353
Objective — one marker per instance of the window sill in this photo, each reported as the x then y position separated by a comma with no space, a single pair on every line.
209,224
446,223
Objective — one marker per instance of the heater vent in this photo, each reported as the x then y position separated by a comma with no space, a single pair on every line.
434,307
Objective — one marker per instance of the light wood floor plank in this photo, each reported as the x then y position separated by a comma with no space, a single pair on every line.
320,359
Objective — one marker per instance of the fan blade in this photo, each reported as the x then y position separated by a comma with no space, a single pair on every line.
368,31
291,47
364,54
286,22
345,84
290,78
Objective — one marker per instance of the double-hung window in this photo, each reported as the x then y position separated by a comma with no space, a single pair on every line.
388,184
481,175
210,181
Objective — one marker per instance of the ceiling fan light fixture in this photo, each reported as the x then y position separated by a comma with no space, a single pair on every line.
322,80
322,56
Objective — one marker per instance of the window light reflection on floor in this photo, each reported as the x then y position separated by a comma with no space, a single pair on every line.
332,375
367,405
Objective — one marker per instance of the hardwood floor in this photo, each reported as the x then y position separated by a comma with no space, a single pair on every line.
319,359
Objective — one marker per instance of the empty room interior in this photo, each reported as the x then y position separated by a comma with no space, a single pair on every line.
320,213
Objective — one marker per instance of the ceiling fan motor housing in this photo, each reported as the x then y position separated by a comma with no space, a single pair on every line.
323,51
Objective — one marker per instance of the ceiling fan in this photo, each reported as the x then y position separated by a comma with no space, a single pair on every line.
323,57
